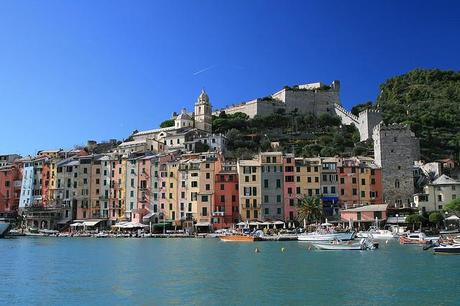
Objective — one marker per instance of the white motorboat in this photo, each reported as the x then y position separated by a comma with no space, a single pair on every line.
363,244
453,249
5,226
325,236
376,233
417,238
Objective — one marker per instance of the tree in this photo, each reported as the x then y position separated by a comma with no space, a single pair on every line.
310,209
167,123
453,207
355,110
414,219
435,218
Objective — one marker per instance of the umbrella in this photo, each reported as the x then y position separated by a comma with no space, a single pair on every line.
304,223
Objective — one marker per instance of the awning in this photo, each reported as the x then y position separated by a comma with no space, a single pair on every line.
91,223
278,222
202,224
241,223
76,225
148,216
162,224
453,218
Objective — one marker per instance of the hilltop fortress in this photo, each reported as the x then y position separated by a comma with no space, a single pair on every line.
315,98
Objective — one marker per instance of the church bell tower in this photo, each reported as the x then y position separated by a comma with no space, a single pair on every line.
203,113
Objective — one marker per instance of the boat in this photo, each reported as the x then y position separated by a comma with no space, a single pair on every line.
239,238
376,233
453,249
5,227
417,238
326,236
101,235
363,244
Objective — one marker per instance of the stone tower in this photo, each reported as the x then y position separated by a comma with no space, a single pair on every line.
395,149
203,113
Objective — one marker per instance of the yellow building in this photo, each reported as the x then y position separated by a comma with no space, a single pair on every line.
249,173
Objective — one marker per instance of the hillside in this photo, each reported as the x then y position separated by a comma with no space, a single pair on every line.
302,134
429,101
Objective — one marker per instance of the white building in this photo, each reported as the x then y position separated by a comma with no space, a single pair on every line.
437,194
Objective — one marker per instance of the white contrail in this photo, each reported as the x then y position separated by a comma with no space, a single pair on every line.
204,70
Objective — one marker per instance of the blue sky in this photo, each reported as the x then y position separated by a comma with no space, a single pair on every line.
77,70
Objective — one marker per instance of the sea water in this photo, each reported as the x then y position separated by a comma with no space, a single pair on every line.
90,271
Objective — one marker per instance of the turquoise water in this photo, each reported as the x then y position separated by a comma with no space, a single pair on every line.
89,271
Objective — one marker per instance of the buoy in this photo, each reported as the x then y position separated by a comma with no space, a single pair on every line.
283,249
257,250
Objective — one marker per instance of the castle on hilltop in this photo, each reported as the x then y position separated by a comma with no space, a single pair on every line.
315,98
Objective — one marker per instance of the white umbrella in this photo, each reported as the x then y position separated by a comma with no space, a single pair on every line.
304,223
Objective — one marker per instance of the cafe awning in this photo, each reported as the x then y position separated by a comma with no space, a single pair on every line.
202,224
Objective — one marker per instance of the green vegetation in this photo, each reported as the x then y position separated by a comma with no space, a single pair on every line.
309,208
429,102
453,207
355,110
435,218
414,219
167,123
302,134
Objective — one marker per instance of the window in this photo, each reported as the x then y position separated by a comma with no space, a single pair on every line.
204,198
265,183
439,197
309,179
354,191
204,211
278,211
325,189
208,175
266,211
297,190
342,191
373,181
363,181
265,198
363,194
342,180
278,183
256,214
208,187
222,187
332,189
246,178
194,184
353,180
396,183
222,198
278,198
248,214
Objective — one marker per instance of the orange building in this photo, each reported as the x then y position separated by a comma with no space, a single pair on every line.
360,182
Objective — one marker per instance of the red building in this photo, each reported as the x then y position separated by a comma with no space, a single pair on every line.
10,189
290,187
226,198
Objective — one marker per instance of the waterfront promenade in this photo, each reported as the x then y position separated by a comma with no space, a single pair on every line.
50,271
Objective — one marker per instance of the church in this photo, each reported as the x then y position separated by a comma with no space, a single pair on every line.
190,132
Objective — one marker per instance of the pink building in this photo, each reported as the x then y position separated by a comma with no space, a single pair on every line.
365,214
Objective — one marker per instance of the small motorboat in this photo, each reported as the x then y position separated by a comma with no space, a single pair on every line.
363,244
239,238
376,233
417,238
447,249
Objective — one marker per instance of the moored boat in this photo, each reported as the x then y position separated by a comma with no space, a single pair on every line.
376,233
448,249
417,238
320,236
363,244
239,238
